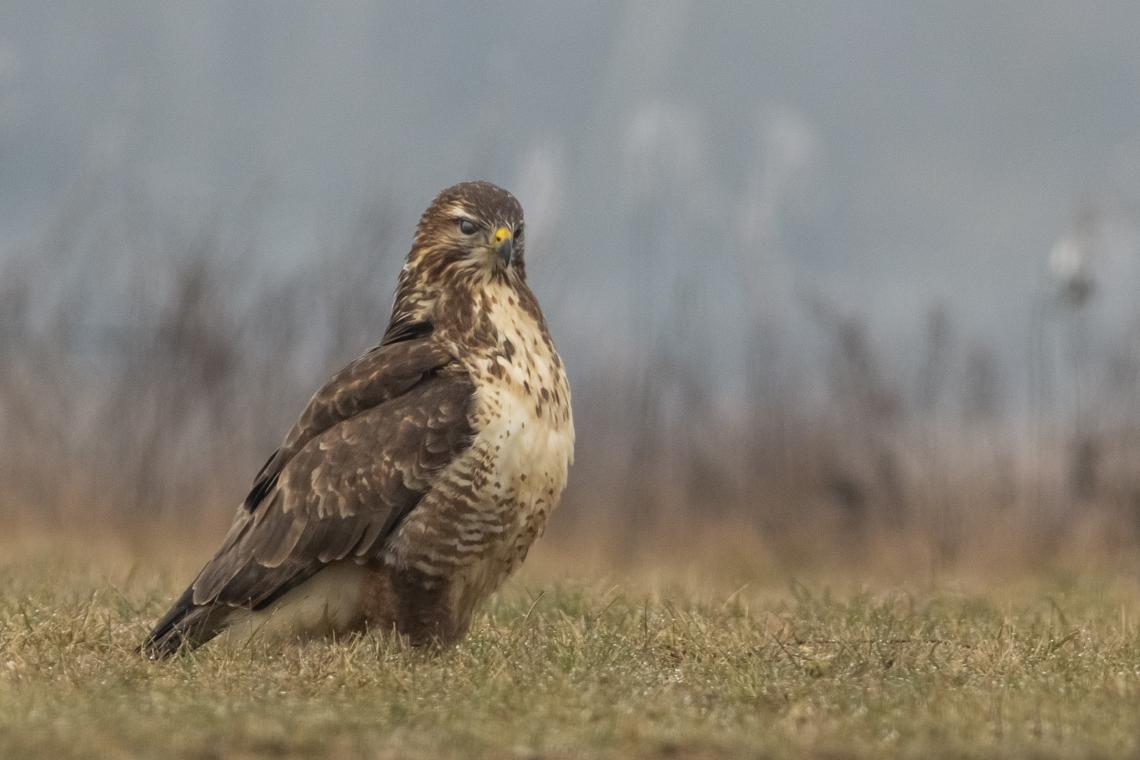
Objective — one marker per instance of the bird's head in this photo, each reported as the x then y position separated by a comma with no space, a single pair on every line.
469,237
473,229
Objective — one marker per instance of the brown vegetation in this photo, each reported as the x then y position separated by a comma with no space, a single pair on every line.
151,383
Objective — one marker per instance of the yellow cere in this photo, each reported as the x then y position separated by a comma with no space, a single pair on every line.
502,234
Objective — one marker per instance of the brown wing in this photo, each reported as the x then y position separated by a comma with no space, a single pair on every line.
362,455
380,375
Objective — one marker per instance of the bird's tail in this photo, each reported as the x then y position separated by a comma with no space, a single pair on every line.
186,626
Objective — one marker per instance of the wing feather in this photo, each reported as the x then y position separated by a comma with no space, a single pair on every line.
352,482
365,451
382,374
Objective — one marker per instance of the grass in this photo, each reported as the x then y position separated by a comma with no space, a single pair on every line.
565,668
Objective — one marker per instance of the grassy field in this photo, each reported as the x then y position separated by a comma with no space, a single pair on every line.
648,666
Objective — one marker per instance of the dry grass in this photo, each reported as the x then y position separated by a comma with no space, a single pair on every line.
660,662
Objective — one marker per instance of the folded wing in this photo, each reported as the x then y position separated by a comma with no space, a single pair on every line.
364,452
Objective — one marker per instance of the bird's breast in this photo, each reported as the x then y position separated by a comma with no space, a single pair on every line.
484,511
522,411
525,428
528,448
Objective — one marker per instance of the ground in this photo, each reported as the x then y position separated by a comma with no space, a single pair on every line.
593,667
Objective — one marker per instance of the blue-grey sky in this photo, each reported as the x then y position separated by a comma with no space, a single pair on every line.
887,155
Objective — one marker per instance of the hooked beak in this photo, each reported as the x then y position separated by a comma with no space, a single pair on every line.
505,245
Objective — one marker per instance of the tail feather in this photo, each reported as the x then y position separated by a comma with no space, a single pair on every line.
186,625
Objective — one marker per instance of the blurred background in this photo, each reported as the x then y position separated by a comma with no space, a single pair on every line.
845,282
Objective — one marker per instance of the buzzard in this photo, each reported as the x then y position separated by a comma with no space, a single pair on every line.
418,476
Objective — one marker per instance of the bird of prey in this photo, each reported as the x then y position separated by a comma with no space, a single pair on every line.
418,476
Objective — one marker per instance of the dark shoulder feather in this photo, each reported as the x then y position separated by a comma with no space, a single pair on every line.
381,374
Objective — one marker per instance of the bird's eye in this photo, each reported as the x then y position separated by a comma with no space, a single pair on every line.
467,227
519,233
